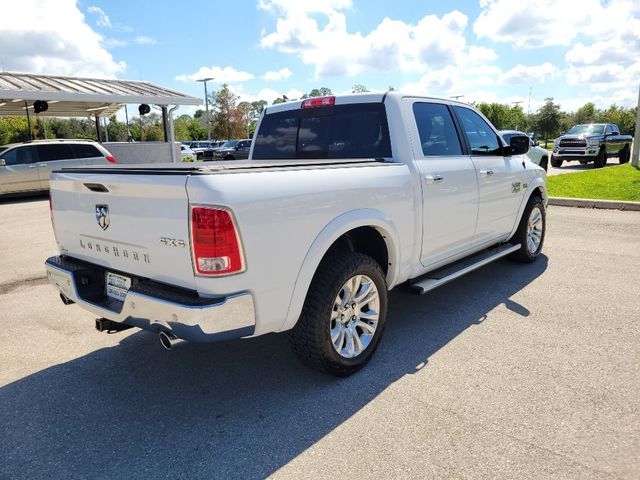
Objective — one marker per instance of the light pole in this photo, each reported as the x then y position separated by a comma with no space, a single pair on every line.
206,104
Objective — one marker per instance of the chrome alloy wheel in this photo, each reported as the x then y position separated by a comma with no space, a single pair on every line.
534,230
355,315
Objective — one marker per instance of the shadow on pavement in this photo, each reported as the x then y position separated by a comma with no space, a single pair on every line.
12,199
239,409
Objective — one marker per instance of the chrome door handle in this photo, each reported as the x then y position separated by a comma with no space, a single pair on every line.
43,164
33,166
434,178
486,173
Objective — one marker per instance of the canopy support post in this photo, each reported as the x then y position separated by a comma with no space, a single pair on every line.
165,127
98,128
26,109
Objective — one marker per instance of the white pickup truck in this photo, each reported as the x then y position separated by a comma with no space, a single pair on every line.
342,199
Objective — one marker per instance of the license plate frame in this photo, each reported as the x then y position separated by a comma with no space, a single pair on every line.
116,286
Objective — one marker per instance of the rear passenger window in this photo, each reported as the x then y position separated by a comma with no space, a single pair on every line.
53,152
481,137
437,131
19,156
340,131
85,151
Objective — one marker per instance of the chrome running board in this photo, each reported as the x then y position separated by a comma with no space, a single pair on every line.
446,274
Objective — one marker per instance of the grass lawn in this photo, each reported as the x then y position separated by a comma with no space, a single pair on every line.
610,183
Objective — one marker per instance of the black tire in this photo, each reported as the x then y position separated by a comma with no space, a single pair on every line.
311,337
544,163
601,160
624,155
525,254
555,163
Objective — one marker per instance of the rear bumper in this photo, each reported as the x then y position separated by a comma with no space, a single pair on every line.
153,306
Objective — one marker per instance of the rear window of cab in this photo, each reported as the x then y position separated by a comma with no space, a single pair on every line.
339,131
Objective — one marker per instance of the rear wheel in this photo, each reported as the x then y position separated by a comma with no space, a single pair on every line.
531,231
624,155
556,162
343,316
601,160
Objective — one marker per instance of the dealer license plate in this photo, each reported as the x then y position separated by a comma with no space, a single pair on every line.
117,286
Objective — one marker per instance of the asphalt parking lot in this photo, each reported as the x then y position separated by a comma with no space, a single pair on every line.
510,372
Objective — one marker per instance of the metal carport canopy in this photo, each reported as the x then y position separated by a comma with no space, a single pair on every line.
81,97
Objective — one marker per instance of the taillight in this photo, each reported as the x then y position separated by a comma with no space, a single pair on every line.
318,102
110,159
215,241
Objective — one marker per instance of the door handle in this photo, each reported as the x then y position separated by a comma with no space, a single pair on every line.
486,173
43,164
435,178
33,166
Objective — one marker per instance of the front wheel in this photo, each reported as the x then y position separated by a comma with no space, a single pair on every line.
556,162
601,160
531,232
544,163
343,315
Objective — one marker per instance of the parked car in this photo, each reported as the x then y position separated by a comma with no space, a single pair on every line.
594,142
343,199
233,150
187,154
538,155
202,148
25,167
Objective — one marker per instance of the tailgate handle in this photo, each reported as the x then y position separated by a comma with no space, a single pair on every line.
96,187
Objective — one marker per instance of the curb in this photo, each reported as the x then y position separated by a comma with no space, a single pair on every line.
592,203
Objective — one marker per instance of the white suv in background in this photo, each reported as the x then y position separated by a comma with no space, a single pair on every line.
25,167
536,154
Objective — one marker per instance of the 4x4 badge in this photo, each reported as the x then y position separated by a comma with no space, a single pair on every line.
102,216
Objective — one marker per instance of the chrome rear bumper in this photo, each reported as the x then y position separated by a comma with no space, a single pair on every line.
153,306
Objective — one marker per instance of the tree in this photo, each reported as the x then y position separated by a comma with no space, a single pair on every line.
548,119
228,119
13,129
504,117
359,88
585,114
319,92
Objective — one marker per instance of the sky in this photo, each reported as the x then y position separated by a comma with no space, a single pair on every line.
481,50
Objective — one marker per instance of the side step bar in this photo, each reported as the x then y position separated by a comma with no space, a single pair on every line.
439,277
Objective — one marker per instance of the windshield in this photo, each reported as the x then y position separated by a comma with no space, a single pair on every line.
230,144
587,130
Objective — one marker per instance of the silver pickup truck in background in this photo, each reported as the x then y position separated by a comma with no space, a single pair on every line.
591,143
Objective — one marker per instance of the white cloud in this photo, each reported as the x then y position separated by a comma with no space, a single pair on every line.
278,74
529,74
219,75
56,39
317,32
543,23
144,40
103,19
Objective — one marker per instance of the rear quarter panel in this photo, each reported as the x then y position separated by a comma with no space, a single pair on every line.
288,219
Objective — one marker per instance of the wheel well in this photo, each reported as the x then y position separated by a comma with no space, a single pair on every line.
367,240
537,192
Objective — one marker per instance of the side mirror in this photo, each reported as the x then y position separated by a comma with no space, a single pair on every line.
536,143
3,163
519,145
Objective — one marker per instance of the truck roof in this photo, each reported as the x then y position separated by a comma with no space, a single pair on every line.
368,97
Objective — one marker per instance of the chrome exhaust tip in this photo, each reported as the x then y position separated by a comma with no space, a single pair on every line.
168,340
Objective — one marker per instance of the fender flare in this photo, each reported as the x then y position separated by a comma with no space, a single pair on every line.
536,183
326,238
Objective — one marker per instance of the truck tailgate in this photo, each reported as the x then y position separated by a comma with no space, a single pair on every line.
135,224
